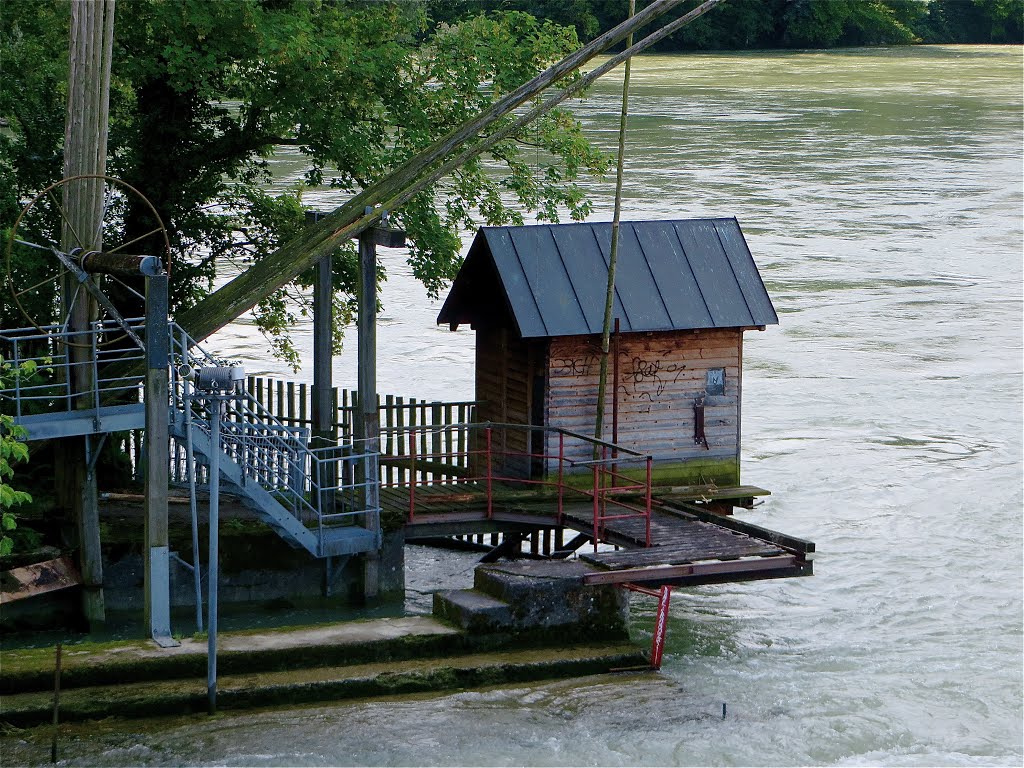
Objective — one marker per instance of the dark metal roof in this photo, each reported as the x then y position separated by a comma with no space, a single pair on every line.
671,275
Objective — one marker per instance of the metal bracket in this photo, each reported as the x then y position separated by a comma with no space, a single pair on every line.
92,455
96,293
333,567
699,437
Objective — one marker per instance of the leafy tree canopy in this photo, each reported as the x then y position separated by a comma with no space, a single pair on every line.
742,24
202,93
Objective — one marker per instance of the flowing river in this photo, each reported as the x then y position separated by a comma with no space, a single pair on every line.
881,194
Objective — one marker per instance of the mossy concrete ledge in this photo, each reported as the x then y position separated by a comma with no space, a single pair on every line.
273,668
537,598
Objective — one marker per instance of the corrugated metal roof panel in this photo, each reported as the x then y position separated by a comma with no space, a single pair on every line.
713,273
745,270
513,277
672,269
671,275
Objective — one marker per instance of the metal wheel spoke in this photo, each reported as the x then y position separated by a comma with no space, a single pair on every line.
74,298
27,244
41,283
67,221
131,242
127,287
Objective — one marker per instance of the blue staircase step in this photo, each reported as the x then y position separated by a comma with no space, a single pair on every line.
109,418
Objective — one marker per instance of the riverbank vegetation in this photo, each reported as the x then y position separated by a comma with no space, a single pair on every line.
767,24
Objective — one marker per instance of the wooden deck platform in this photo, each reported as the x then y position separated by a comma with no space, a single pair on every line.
689,544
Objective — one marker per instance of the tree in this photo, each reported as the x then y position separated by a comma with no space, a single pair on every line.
203,92
975,21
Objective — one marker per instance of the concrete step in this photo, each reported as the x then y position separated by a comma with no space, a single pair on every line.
90,664
519,579
243,691
551,596
473,611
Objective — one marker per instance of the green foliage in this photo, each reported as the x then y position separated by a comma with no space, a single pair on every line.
745,24
12,450
204,92
843,22
975,21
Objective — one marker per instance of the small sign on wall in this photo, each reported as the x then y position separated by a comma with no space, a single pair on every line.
714,381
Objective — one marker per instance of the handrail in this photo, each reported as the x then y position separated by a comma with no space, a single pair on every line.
609,491
278,455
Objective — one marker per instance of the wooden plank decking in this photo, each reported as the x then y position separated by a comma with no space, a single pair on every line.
688,546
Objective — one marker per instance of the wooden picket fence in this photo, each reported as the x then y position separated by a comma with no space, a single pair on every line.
436,426
438,429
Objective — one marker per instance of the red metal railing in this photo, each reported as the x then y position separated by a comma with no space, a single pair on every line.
501,459
664,595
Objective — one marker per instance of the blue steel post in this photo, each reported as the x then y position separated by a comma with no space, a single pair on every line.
157,394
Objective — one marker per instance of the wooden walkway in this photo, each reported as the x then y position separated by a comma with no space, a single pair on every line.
689,545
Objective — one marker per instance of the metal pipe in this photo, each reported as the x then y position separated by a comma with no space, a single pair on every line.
118,264
16,361
561,486
214,560
490,504
190,470
648,507
660,627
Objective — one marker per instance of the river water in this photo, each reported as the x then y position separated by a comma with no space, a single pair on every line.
881,194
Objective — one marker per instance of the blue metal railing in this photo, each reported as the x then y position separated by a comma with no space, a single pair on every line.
322,488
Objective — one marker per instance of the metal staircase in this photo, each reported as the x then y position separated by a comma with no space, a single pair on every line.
314,498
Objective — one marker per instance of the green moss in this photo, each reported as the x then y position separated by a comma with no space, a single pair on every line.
129,661
321,684
723,472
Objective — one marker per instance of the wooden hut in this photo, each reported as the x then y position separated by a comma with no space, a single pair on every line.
685,292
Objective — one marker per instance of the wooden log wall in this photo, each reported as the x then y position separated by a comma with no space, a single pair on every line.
660,376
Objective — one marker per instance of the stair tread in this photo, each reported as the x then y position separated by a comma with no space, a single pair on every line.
472,599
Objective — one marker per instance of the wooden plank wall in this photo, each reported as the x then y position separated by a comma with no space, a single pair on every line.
505,370
660,376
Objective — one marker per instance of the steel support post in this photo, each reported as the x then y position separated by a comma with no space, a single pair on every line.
157,394
324,419
368,423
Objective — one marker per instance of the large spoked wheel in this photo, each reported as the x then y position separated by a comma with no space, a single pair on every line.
43,287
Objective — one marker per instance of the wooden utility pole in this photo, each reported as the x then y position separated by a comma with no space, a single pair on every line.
85,153
439,159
